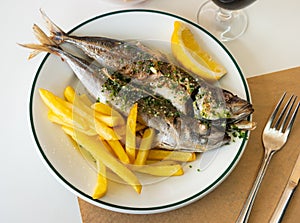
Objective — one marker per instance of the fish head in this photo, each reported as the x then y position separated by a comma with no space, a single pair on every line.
189,134
239,109
211,104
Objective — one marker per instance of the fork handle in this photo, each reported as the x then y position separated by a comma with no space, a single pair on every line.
283,202
245,212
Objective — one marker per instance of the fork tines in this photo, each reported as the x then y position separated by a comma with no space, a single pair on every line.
281,122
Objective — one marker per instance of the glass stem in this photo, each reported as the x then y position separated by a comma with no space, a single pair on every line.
223,15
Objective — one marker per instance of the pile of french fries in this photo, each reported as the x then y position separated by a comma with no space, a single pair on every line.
110,141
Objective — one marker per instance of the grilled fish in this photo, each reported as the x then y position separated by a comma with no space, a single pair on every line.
190,94
192,120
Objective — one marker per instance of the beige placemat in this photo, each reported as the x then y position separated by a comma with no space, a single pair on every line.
224,203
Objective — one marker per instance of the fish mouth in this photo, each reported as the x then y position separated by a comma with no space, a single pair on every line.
239,108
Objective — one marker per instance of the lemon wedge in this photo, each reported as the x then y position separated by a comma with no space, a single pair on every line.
188,52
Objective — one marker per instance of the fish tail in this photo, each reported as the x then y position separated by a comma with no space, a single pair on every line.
38,48
56,33
46,44
42,37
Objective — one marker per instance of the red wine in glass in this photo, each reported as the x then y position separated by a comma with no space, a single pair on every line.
233,4
224,18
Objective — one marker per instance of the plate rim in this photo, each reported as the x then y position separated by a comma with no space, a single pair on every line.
122,208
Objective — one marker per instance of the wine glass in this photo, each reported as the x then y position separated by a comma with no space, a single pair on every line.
224,18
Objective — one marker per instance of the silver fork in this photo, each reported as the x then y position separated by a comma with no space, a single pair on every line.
274,137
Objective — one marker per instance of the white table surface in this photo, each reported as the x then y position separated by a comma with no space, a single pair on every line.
29,193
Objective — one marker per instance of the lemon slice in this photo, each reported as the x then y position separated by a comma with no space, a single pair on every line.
191,56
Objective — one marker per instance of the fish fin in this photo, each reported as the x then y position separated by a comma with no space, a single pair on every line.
46,44
44,40
38,48
33,54
42,37
56,33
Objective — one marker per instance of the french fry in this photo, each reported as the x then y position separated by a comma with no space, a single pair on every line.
121,129
84,110
108,147
78,114
62,109
73,134
159,170
69,94
102,108
79,106
101,185
160,162
109,120
159,154
145,146
119,150
105,132
99,152
55,119
85,99
69,131
96,130
106,110
130,144
86,154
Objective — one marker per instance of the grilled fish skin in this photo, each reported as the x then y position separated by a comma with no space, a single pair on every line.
190,94
172,115
175,131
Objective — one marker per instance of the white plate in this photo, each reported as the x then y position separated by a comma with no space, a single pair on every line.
78,176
